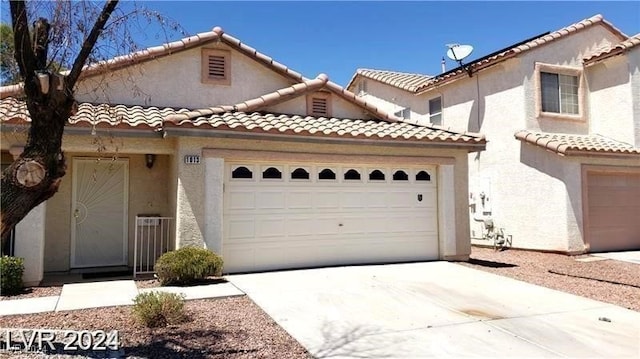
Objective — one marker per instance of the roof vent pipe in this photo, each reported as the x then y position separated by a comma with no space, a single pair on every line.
444,66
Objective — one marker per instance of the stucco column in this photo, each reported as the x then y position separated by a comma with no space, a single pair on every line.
213,193
447,212
29,239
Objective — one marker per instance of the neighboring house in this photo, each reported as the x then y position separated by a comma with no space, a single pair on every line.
561,113
251,159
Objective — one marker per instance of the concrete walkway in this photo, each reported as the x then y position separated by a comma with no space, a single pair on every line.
437,309
628,256
107,294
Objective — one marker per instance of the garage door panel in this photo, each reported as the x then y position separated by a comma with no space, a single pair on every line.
271,227
613,207
288,224
376,199
402,199
241,228
299,200
270,200
241,200
352,199
327,199
614,196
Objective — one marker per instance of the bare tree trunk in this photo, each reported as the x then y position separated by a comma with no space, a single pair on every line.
36,175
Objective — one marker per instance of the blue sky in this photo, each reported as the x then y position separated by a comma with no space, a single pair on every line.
338,37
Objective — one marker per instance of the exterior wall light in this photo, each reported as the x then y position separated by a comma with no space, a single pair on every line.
150,159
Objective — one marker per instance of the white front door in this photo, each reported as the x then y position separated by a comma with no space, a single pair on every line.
99,212
295,215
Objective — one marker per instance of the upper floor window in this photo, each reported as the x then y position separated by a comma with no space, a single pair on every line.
435,111
216,67
319,104
559,92
405,113
362,87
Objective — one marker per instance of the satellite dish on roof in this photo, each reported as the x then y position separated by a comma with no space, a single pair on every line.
458,53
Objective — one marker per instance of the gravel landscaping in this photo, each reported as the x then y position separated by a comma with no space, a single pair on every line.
237,328
217,328
605,280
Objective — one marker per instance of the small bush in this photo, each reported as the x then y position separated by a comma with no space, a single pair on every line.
187,265
159,309
11,270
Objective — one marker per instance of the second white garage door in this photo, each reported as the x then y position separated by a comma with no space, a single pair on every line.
280,216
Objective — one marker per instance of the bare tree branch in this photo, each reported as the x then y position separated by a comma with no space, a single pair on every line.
89,42
23,48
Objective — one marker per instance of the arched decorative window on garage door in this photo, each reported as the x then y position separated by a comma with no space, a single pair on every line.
326,174
271,173
242,172
376,175
352,175
400,176
423,176
300,173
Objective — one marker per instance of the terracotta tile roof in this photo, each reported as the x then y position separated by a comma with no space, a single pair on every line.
618,49
13,110
324,127
402,80
522,48
569,144
151,53
319,83
217,34
417,83
259,103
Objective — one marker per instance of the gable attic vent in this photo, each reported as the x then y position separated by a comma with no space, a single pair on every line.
216,67
319,106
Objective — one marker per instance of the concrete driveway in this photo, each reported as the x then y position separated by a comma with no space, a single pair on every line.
437,309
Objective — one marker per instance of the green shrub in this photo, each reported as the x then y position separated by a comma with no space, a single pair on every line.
187,265
11,270
159,309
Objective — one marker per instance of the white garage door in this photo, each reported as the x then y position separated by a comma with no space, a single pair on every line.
280,216
614,211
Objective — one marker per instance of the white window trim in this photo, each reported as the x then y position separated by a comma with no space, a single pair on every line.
403,113
441,113
362,87
560,70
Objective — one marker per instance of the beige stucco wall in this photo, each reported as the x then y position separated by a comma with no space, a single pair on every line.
610,99
339,108
191,227
392,99
533,194
149,189
174,81
634,68
148,194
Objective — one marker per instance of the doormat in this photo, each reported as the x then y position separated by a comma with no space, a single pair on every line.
120,273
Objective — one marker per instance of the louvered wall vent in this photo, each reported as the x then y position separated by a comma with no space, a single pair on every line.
319,107
217,67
